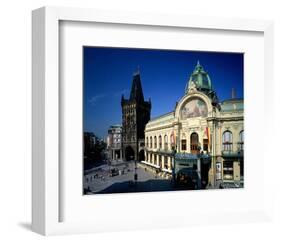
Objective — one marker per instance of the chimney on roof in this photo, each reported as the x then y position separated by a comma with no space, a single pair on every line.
233,93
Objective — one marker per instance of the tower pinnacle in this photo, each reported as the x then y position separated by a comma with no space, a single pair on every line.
136,90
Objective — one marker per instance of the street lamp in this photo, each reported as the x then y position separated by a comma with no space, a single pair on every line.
199,156
135,175
174,151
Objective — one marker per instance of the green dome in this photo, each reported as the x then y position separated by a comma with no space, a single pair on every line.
200,78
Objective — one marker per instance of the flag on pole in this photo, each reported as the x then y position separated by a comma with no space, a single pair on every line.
208,136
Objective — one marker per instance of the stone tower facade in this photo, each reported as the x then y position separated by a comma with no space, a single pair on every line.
135,115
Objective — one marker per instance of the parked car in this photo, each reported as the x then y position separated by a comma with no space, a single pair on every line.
114,172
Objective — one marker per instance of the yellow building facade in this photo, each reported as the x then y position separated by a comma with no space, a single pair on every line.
199,125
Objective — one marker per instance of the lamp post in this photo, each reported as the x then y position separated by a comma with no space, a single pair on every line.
135,175
174,151
199,156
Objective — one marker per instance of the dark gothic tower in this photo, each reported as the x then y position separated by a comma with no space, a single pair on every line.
135,115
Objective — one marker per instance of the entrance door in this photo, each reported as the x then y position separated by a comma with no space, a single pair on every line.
194,140
141,155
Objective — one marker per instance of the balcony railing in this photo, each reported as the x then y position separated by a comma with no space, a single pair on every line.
232,153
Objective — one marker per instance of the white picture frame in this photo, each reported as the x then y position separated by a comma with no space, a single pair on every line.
48,177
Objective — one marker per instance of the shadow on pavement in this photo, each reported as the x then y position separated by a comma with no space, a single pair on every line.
145,186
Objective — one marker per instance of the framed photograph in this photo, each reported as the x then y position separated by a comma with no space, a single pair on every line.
143,146
139,120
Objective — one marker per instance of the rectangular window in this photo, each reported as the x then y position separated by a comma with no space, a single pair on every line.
183,144
205,144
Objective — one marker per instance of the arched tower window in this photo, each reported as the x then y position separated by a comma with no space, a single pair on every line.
150,142
155,142
227,141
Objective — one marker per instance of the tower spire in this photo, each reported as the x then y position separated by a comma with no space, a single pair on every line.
137,72
136,90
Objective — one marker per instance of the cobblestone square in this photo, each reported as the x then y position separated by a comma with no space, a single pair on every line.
100,180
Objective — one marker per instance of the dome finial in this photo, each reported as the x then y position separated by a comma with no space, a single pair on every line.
198,66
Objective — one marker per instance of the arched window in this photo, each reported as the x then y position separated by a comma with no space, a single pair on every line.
160,142
155,142
172,140
165,142
150,142
194,140
227,141
241,140
147,144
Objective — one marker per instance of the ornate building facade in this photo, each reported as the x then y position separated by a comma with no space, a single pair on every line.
135,115
114,143
199,129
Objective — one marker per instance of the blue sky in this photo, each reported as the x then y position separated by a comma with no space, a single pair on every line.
108,72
